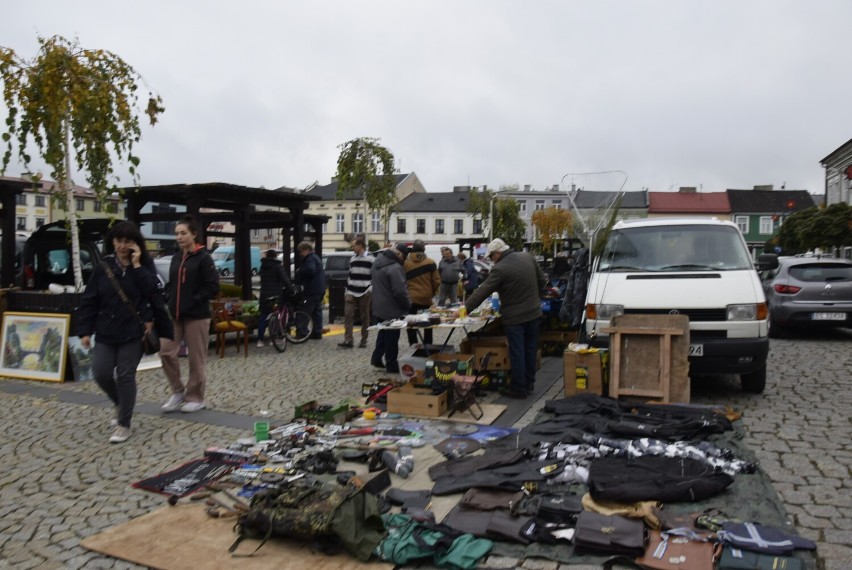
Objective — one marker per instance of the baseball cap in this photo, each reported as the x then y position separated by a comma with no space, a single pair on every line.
495,246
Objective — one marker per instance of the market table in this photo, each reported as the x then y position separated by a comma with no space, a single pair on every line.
467,324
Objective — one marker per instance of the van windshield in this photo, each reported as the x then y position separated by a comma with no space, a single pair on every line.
675,248
219,256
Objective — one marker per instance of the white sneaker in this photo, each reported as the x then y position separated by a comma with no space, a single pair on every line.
120,435
173,403
192,406
260,344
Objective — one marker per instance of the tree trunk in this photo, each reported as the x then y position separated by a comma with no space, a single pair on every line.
67,185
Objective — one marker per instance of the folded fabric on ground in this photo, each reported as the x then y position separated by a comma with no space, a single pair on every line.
187,478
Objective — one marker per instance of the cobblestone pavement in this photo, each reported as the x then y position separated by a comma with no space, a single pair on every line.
62,481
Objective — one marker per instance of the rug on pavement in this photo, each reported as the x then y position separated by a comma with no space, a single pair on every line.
180,537
187,478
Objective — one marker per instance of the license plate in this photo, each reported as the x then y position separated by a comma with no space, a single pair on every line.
828,317
696,350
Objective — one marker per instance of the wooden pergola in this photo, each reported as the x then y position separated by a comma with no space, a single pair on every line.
207,203
220,202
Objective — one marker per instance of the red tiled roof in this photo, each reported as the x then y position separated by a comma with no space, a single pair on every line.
688,203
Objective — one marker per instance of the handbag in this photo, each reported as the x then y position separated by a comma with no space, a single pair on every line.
611,534
670,551
150,339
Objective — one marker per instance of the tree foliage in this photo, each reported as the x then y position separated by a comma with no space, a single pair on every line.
507,223
74,104
366,165
816,227
552,224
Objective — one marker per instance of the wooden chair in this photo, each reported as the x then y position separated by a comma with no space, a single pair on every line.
465,390
225,321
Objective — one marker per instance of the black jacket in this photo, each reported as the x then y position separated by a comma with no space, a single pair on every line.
311,276
273,279
193,282
103,312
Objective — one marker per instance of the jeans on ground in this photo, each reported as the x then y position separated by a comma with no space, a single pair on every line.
523,345
114,368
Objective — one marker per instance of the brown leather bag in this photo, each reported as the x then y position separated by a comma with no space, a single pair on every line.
676,553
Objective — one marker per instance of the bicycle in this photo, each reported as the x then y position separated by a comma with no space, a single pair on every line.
287,323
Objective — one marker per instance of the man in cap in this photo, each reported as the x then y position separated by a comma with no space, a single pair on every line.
390,301
518,279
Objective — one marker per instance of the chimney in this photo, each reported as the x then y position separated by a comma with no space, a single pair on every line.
764,187
687,189
555,188
527,187
461,188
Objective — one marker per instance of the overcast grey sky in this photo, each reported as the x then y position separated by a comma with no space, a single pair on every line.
721,94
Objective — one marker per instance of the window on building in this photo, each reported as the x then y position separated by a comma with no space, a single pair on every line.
439,226
339,223
21,223
20,199
556,203
421,225
111,208
39,222
80,205
98,206
255,233
325,228
375,222
358,223
164,227
477,226
742,223
539,205
39,201
400,226
458,226
522,206
766,225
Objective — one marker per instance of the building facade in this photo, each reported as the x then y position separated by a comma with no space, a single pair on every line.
838,174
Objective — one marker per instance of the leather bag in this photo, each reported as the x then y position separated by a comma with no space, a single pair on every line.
672,552
735,559
609,534
150,342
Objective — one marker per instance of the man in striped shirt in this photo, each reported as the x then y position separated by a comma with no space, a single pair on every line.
358,293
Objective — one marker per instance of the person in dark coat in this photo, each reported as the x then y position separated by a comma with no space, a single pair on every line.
273,282
518,280
104,313
311,276
471,277
390,301
193,282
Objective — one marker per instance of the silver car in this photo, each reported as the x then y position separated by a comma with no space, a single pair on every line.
808,292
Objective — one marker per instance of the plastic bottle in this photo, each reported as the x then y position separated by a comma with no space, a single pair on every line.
462,312
495,302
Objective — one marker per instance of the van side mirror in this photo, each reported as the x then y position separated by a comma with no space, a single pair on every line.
766,262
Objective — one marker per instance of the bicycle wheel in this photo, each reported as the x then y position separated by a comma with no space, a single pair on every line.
300,326
276,335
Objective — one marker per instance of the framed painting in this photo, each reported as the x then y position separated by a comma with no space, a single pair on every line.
33,345
81,359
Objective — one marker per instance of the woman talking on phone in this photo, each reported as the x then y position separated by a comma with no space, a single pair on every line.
103,312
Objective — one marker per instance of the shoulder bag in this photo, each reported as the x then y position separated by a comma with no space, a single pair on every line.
150,340
611,534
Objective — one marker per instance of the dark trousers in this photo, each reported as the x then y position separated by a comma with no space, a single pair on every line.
387,346
313,306
114,367
412,334
523,344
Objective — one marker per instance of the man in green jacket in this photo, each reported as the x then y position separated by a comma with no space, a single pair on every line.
518,280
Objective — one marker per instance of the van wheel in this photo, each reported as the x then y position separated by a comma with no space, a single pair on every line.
253,272
225,272
754,382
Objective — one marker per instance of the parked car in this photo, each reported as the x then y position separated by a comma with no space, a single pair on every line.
162,264
225,256
808,292
20,239
46,256
336,264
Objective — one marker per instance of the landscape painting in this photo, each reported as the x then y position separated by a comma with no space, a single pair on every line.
33,346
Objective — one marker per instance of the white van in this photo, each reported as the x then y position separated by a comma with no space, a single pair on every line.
695,267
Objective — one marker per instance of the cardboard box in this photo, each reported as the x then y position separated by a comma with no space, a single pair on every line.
496,346
583,373
413,401
441,367
413,363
